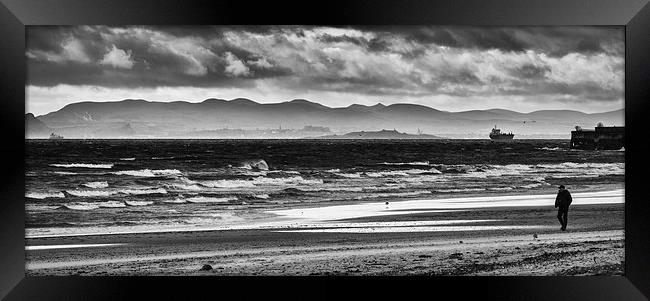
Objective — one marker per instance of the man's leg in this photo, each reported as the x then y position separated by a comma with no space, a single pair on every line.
562,215
566,216
559,216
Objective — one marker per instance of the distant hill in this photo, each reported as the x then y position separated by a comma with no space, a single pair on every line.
35,128
142,118
383,134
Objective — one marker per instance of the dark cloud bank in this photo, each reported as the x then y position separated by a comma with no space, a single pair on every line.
573,64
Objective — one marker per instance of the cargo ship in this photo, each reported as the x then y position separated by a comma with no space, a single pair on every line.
496,134
600,138
54,136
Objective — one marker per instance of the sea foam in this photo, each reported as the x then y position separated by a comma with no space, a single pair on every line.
103,184
44,195
149,172
202,199
138,203
90,193
83,165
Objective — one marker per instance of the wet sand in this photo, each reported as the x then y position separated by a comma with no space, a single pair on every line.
503,240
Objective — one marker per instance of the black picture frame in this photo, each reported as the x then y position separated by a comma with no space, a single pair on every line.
634,15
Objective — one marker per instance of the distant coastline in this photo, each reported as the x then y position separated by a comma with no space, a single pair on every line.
297,119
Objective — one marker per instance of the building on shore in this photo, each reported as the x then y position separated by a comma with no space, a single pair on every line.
601,137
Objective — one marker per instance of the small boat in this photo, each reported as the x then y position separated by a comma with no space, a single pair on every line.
496,134
54,136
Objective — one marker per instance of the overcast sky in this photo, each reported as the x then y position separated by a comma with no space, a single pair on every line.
447,68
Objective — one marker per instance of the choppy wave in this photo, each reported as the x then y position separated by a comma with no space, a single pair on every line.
424,163
143,191
101,184
111,204
383,174
258,164
65,173
39,207
394,194
83,165
175,201
534,185
460,190
202,199
91,193
138,203
149,172
333,189
81,206
181,186
402,173
500,188
260,181
349,175
44,195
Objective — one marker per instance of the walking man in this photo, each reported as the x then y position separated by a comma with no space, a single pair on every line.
562,202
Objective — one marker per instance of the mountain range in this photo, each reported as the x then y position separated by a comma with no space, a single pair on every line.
219,118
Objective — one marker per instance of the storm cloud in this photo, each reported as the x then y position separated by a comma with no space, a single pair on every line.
569,63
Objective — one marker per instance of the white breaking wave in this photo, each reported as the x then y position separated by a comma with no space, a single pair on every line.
111,204
261,181
395,194
175,201
38,207
258,164
103,184
83,165
407,163
65,173
460,190
127,159
91,193
500,188
44,195
531,185
349,175
551,148
382,174
261,196
194,187
81,206
334,189
422,171
138,203
202,199
149,172
144,191
566,169
227,183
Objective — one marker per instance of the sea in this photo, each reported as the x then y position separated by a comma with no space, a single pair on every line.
105,186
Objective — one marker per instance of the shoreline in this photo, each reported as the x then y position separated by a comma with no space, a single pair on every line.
283,218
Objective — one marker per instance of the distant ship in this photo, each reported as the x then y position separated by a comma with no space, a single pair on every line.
601,137
54,136
497,135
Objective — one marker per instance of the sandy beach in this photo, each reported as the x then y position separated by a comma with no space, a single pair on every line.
469,235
